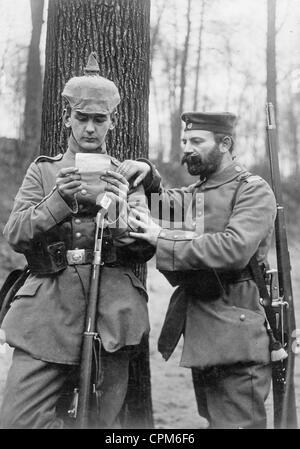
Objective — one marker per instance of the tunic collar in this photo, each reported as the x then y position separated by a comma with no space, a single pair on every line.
228,174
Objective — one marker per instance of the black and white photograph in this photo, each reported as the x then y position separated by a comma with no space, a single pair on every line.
150,216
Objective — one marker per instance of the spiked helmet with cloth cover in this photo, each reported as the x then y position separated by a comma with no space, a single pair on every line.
91,93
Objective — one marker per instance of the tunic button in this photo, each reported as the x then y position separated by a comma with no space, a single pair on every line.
83,192
194,224
162,234
78,235
242,317
81,206
175,236
199,213
77,220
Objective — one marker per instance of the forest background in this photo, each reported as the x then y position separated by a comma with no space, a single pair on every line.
209,55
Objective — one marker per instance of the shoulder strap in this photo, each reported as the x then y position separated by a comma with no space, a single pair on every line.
44,158
240,179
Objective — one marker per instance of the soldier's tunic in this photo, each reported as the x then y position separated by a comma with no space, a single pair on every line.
46,320
229,218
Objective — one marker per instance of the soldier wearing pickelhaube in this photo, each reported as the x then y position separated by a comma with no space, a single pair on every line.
228,221
53,218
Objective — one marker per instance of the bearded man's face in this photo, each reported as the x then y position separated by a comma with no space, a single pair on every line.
201,153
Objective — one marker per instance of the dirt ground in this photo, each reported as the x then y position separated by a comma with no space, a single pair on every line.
172,392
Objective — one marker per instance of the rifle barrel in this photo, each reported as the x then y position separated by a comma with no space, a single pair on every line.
285,415
90,333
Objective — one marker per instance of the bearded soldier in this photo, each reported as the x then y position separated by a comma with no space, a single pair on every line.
229,219
53,224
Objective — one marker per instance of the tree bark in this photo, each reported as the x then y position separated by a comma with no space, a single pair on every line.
119,31
33,90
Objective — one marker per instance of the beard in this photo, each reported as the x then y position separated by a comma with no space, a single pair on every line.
197,165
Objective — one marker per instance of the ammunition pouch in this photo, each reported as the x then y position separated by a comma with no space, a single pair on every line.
47,259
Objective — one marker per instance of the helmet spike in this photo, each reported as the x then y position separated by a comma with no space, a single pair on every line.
92,67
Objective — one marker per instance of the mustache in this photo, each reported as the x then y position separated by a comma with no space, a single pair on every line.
191,159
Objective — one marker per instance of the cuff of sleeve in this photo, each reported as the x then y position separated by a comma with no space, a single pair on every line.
166,251
152,181
58,207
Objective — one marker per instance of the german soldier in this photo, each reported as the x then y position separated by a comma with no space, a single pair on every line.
229,218
53,224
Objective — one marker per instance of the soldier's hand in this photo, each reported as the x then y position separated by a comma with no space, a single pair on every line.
117,186
68,183
147,228
130,168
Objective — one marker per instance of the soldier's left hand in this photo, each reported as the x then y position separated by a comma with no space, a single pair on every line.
148,229
117,186
130,168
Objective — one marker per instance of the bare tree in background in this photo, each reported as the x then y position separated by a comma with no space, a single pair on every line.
199,54
155,30
155,42
33,87
119,31
271,54
178,104
290,129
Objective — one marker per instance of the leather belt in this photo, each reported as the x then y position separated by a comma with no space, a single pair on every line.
212,284
53,258
86,256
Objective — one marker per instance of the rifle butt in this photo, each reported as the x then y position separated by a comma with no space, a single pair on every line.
85,382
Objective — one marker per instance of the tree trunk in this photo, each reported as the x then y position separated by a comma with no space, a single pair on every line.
155,33
271,59
292,137
33,91
271,54
118,30
199,52
175,115
185,57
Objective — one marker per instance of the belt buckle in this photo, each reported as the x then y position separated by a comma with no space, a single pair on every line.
76,256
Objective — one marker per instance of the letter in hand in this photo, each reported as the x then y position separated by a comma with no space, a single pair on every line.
130,168
68,183
147,228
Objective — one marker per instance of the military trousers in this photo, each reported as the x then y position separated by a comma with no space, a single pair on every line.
233,397
34,387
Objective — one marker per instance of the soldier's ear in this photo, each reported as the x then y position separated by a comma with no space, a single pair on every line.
67,117
68,121
225,145
114,119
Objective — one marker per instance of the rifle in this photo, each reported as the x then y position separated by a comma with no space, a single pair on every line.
284,402
82,404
